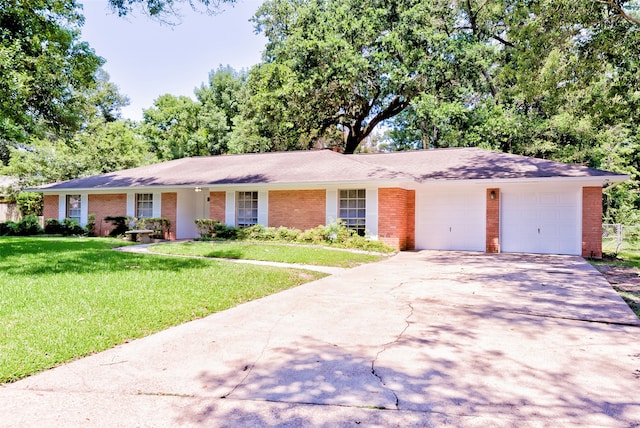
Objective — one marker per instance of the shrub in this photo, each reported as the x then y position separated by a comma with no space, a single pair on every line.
27,226
209,228
53,227
72,227
30,203
5,229
335,234
91,225
206,227
226,232
252,233
120,224
159,225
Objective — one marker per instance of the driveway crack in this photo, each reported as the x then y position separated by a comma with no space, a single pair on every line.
248,368
383,349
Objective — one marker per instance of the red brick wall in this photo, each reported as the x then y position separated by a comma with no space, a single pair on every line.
106,205
217,206
493,221
300,209
50,209
396,208
592,222
51,204
168,209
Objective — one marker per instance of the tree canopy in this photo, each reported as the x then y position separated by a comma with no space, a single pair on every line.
44,67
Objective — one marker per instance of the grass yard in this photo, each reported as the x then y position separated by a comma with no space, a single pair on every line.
623,273
63,298
269,252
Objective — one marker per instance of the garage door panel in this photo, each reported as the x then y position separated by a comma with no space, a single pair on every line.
451,220
540,221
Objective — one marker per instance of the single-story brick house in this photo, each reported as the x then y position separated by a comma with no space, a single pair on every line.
449,199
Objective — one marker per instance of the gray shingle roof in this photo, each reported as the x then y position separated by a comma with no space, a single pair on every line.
479,164
324,166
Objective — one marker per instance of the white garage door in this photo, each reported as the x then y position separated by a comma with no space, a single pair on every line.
451,220
545,222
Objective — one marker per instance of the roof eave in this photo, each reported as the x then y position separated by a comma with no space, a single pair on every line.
603,179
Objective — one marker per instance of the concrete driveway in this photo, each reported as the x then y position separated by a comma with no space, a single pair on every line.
422,339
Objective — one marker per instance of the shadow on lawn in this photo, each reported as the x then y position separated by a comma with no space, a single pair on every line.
51,256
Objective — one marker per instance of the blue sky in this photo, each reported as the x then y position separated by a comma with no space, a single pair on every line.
147,59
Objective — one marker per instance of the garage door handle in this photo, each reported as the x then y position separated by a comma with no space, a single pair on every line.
538,231
449,229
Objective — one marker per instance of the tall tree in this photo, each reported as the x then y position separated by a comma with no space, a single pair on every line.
220,101
354,64
44,67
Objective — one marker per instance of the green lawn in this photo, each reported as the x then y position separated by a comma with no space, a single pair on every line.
62,298
629,257
269,252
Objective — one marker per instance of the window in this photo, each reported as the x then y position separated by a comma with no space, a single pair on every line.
246,209
144,205
74,206
353,209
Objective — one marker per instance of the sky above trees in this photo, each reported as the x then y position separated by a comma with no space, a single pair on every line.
147,58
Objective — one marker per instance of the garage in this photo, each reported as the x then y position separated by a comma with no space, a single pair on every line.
451,219
540,221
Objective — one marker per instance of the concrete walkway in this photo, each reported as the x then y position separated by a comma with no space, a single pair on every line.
421,339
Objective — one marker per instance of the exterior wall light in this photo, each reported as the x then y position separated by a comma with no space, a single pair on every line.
492,195
198,189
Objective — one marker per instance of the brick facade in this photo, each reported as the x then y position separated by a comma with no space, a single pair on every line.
592,222
168,210
300,209
396,217
50,209
493,221
218,206
102,206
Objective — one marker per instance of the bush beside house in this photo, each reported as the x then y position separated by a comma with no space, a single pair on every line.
335,235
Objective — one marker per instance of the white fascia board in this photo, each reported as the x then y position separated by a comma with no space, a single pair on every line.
600,180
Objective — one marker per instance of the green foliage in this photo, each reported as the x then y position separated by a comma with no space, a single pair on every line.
6,229
177,127
159,225
72,297
91,225
71,227
52,226
44,68
347,66
104,144
67,227
335,234
120,224
210,229
30,203
28,226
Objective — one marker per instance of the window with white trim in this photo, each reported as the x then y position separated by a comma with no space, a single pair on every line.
353,209
246,209
144,205
74,207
